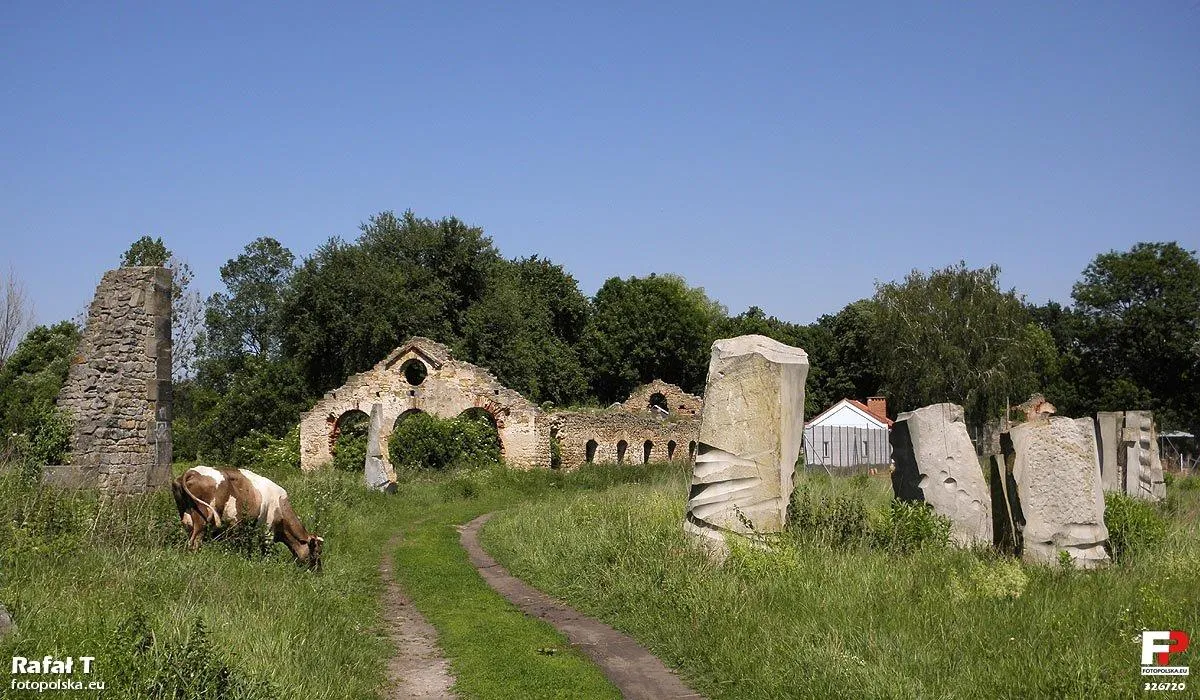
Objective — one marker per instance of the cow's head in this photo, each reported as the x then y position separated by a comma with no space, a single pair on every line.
314,552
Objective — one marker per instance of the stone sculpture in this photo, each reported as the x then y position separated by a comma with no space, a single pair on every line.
750,433
936,464
377,473
1054,464
1129,457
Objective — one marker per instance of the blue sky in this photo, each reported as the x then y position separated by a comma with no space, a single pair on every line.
786,155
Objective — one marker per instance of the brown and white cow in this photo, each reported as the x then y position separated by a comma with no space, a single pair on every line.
205,495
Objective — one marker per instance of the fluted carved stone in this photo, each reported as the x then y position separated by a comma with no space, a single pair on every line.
750,433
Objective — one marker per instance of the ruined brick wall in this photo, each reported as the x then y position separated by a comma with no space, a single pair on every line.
670,440
679,402
448,388
118,389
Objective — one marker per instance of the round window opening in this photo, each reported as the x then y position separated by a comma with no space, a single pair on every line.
414,372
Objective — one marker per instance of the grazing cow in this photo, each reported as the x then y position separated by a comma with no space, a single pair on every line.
205,495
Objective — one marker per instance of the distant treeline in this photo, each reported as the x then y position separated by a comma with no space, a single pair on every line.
258,353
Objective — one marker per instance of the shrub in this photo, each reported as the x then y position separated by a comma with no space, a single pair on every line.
837,520
1134,526
1187,483
350,449
908,526
427,442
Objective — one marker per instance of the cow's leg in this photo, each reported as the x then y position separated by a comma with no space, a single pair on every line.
194,521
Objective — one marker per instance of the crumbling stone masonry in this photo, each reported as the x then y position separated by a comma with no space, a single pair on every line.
421,375
118,389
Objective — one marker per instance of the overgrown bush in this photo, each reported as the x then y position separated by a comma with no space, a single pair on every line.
275,457
909,526
350,448
423,441
836,520
1134,526
844,520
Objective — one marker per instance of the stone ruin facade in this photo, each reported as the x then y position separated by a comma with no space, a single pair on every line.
638,431
118,388
422,375
750,435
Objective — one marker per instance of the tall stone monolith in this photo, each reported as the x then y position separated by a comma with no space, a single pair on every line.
1056,469
1129,455
377,473
750,433
118,388
936,464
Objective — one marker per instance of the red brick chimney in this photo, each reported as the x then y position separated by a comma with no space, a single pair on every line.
877,406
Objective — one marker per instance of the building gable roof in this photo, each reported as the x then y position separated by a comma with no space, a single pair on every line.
857,406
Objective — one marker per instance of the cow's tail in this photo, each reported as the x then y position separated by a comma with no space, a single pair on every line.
216,519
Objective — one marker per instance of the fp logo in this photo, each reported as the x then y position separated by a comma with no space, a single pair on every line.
1157,647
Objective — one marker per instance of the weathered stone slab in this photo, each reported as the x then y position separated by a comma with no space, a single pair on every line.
936,464
750,434
1055,465
1129,454
377,473
1143,471
1109,426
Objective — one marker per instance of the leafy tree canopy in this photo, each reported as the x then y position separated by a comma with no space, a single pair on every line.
953,335
245,320
1138,328
352,303
34,374
646,328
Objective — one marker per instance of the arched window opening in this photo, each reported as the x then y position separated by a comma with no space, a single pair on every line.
622,446
647,448
590,451
670,450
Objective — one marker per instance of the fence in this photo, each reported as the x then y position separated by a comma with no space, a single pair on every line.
839,446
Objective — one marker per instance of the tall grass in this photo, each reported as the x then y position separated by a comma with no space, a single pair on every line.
818,617
112,579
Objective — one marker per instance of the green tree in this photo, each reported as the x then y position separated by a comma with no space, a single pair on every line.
647,328
350,304
953,335
524,330
263,394
845,367
34,374
245,319
1140,323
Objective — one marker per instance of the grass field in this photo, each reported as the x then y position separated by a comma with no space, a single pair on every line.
112,580
807,618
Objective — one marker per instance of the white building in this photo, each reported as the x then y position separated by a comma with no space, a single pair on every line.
849,434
